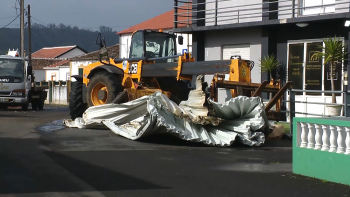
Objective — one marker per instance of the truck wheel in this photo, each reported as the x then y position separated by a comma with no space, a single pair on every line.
41,101
25,106
76,105
3,107
34,105
103,88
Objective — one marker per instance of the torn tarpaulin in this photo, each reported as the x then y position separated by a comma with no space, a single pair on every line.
241,117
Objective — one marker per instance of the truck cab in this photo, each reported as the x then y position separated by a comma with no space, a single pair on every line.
16,87
14,83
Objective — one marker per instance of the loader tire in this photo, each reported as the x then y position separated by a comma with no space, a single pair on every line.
103,88
76,105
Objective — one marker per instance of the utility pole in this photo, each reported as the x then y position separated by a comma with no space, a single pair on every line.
29,38
22,28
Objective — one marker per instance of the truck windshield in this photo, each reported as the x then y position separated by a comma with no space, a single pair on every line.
156,45
11,68
159,45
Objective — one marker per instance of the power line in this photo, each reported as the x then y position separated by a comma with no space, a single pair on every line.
40,36
39,20
10,22
7,17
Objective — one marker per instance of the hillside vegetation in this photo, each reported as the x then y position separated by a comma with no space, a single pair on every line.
55,35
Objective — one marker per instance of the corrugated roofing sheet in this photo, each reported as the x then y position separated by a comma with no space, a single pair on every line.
241,118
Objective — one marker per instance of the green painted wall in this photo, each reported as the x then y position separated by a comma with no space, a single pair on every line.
321,164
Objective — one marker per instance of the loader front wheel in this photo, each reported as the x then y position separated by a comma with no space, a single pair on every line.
102,89
76,105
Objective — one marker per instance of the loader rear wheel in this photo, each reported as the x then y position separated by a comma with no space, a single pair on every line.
103,88
76,104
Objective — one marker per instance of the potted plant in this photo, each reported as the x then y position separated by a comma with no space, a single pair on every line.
269,64
333,52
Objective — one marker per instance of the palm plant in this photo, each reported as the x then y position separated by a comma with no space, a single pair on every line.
268,64
333,52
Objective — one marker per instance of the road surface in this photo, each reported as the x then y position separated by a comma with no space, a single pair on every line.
39,157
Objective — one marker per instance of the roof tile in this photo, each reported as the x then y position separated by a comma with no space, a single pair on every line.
113,52
39,63
61,63
163,21
52,52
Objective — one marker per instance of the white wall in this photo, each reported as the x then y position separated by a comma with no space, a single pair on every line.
72,53
187,41
63,72
40,75
75,67
124,41
215,40
230,15
50,72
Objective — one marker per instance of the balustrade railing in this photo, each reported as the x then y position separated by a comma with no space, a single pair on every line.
324,137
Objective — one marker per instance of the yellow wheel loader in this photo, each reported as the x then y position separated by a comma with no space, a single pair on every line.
153,65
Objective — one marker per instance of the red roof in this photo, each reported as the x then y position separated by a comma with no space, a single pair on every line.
61,63
163,21
40,63
52,52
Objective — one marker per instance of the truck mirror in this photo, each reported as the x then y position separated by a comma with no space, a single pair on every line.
29,70
181,40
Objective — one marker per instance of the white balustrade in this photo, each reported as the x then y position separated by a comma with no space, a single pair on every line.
333,140
340,139
347,140
325,138
303,135
318,135
310,136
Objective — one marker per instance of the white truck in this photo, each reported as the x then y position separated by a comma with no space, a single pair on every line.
17,85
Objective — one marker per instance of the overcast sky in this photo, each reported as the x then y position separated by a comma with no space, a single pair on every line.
118,14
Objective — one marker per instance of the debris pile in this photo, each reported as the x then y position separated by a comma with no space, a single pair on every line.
241,118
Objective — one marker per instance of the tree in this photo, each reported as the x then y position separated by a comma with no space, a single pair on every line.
333,52
105,29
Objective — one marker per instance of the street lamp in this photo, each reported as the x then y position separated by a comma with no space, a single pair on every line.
302,24
347,23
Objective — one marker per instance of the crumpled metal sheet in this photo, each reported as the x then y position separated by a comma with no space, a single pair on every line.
241,118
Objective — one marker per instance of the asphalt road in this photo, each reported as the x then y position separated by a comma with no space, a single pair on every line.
39,157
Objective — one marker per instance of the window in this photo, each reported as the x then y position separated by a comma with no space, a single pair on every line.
53,76
136,50
11,68
307,71
315,7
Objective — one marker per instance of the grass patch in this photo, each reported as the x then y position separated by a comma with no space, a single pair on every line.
286,126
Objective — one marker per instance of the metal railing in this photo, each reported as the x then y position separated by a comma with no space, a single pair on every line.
187,13
292,101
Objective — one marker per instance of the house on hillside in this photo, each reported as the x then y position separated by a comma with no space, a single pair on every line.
164,22
58,71
48,56
38,67
62,52
89,58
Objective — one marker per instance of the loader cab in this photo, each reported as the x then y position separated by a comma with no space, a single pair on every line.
153,44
